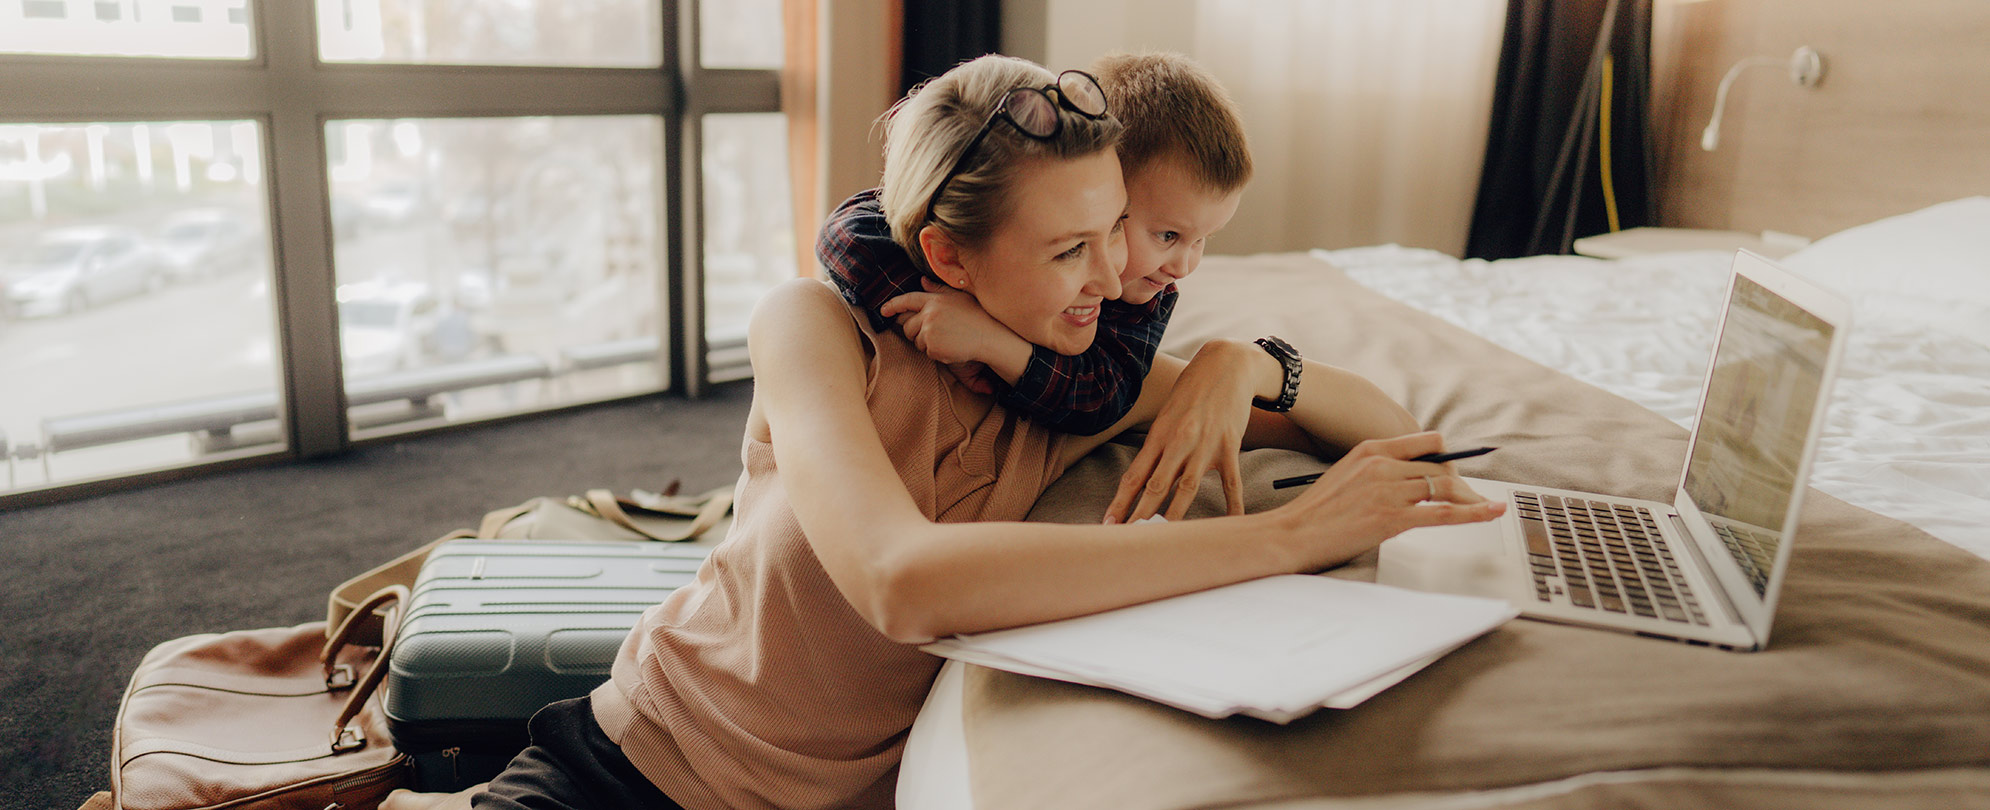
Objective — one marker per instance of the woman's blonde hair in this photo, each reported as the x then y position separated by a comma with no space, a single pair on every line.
926,131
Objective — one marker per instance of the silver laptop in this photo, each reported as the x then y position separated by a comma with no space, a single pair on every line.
1706,568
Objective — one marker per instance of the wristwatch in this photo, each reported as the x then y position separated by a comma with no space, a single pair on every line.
1289,358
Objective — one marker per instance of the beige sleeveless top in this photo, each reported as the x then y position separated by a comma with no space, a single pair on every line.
758,686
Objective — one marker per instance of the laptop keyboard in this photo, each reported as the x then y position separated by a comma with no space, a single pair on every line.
1755,552
1606,556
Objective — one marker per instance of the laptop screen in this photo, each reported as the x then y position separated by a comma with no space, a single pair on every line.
1761,394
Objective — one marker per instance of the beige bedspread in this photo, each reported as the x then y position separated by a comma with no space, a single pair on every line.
1874,691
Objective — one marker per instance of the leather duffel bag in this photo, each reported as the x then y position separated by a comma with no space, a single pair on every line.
258,720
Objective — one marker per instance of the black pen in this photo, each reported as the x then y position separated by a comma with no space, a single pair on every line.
1434,458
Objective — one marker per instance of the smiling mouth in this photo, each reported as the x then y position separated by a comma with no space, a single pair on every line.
1081,316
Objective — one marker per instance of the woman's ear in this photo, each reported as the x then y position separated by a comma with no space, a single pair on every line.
943,255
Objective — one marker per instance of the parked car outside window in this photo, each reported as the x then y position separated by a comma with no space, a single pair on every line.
73,269
209,242
387,326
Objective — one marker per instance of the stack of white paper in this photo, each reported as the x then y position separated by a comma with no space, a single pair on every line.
1275,648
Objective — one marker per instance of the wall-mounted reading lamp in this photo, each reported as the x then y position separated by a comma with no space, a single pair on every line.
1806,70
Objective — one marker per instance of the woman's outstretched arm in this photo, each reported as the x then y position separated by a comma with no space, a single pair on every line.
916,580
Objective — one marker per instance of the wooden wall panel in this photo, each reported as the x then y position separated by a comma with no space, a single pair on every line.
1901,120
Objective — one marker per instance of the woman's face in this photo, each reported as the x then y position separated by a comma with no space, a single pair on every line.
1058,253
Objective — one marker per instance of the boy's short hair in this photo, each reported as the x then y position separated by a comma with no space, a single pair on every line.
1171,105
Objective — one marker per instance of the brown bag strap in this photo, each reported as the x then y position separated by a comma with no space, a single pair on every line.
398,571
344,737
716,503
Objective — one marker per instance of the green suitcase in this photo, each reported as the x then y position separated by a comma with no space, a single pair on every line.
496,629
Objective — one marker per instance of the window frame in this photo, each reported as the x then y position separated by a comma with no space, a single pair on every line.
292,95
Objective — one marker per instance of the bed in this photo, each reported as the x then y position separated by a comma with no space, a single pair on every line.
1875,690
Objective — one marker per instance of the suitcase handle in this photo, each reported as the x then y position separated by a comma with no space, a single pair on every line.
344,737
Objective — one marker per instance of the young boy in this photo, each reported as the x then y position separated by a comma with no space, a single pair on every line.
1185,164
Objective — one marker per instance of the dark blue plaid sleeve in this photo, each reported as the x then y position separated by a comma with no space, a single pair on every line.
867,267
1082,394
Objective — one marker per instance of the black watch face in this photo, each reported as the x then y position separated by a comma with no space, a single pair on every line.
1284,349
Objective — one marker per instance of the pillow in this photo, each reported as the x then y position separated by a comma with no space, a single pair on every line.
1939,253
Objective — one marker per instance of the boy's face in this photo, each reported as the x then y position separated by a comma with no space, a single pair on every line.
1169,216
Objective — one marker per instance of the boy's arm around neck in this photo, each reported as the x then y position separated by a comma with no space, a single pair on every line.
1087,393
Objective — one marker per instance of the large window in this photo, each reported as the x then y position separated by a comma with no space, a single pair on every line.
740,34
506,262
134,291
749,243
330,221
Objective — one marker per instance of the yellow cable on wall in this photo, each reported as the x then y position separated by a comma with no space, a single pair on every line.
1609,187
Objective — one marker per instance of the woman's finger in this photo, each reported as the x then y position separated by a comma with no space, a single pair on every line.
1453,489
1164,481
1131,483
1415,491
1232,475
1152,496
1447,514
1442,487
1386,468
1188,482
1405,447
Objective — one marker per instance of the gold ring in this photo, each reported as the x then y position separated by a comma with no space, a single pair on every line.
1432,486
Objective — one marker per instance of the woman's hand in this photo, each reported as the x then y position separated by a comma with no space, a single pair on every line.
950,327
1374,493
1200,426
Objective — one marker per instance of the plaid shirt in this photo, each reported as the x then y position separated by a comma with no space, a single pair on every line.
1083,394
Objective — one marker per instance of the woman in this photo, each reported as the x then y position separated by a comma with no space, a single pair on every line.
868,520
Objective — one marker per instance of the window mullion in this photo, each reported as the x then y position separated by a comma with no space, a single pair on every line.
303,289
736,91
41,89
683,218
432,91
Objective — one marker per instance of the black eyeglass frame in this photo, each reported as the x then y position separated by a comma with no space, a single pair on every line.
1001,111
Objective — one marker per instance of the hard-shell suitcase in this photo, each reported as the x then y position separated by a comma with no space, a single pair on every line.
496,629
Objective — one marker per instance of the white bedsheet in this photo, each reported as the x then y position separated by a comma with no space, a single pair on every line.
1909,430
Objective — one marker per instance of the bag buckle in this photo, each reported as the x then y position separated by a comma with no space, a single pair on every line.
350,738
339,677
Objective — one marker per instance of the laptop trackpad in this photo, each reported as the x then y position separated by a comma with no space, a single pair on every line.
1469,559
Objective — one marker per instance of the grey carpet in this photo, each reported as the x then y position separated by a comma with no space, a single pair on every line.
91,585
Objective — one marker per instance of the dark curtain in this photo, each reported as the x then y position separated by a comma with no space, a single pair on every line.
1543,182
939,34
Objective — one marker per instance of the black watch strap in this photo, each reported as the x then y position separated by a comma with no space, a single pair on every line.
1288,395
